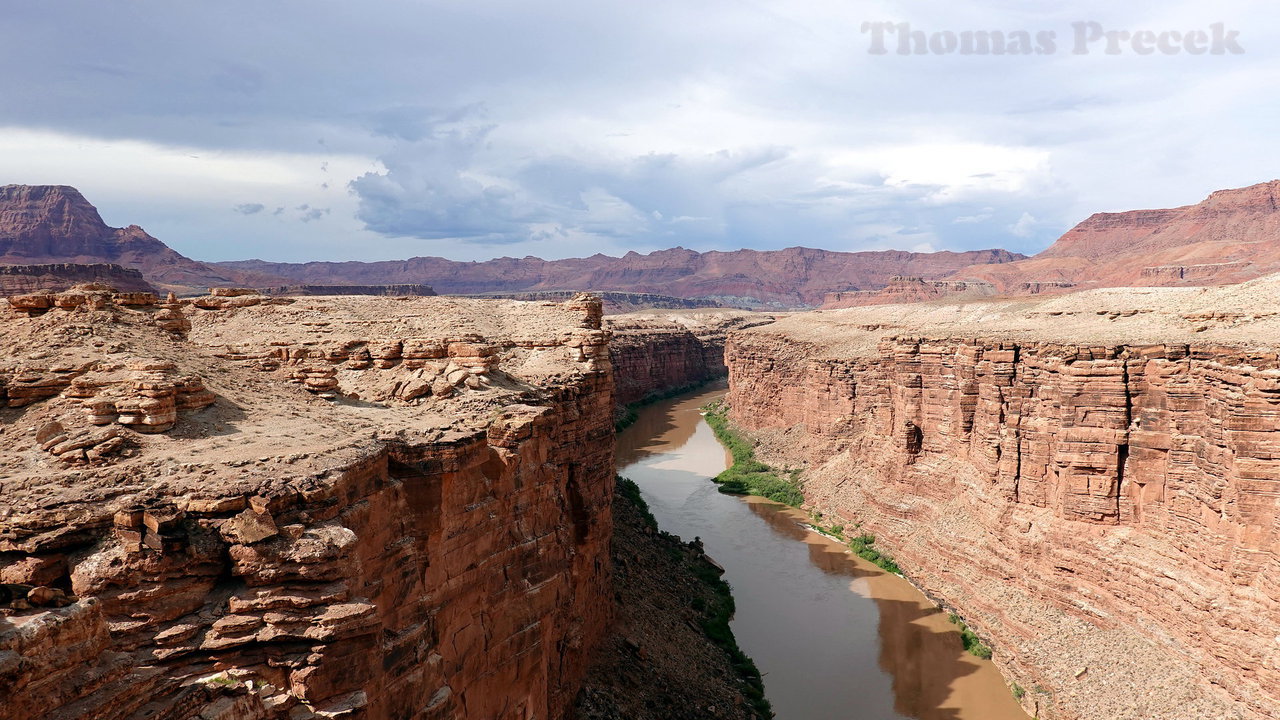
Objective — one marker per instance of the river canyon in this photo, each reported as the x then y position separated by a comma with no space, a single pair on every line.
833,635
248,507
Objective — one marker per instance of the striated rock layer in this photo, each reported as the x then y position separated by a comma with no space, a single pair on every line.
654,353
903,289
322,507
21,279
1092,481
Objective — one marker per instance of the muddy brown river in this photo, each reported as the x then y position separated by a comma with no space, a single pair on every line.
834,636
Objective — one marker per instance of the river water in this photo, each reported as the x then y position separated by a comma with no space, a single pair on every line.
834,635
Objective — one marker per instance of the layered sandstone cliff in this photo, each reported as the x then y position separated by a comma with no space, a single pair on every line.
655,352
22,279
269,508
902,289
1092,481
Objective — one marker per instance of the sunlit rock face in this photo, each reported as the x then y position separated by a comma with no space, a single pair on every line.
330,507
1092,481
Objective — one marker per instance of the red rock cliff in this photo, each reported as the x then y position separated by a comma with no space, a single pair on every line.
1106,512
431,542
653,353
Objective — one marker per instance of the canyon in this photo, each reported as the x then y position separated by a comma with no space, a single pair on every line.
257,504
1092,481
656,353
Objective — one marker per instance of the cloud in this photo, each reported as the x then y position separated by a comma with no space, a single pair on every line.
1025,226
306,213
250,208
571,126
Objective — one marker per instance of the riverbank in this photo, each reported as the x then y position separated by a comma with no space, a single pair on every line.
671,655
833,634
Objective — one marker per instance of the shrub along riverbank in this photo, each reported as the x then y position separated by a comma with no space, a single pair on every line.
747,475
710,598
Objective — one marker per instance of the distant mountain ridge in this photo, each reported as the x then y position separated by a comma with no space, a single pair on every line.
794,277
1232,236
55,224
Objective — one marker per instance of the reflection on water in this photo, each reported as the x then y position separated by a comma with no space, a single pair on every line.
834,636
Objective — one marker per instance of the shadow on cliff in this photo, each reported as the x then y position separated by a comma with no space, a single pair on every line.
923,660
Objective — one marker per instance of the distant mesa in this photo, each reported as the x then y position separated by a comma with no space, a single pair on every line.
410,289
56,277
615,303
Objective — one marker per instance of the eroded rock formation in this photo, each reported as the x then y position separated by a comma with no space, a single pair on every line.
354,507
1093,481
903,289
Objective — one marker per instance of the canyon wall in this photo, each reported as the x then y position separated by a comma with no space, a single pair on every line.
654,353
903,289
250,508
1105,510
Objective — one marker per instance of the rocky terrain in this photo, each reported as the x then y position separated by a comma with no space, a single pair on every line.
656,352
244,507
1091,480
1230,237
55,224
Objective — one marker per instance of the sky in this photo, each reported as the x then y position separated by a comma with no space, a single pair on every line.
318,130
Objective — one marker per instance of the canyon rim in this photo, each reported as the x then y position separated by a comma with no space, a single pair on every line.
639,361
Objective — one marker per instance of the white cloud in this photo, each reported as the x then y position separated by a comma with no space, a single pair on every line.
1025,226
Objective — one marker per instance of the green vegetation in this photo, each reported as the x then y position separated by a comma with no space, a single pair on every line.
627,415
748,476
1018,692
628,489
715,624
972,643
862,547
714,612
